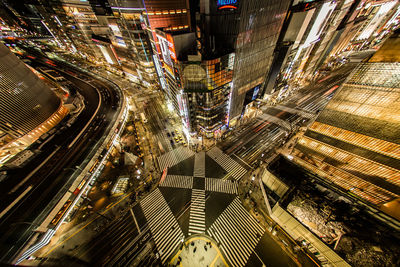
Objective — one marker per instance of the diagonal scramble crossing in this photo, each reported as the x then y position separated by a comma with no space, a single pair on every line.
164,228
233,168
237,231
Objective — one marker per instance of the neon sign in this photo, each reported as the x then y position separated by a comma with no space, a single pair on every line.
225,4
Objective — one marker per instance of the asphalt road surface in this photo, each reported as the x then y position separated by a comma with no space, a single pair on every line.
47,184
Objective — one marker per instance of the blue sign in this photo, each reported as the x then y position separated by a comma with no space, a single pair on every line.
255,92
222,4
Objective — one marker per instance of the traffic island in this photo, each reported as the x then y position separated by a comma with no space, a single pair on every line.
198,251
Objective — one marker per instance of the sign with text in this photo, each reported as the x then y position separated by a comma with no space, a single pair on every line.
227,4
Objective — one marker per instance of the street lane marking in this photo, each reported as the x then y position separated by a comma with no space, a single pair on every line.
134,218
83,227
15,201
90,121
33,172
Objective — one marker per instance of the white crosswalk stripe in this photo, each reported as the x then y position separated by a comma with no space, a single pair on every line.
178,181
233,168
173,157
237,232
219,185
164,228
200,165
197,220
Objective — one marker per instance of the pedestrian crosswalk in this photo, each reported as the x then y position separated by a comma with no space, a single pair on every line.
222,186
237,232
233,168
164,228
197,221
199,165
173,157
178,181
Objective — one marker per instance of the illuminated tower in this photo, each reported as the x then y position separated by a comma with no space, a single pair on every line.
355,141
28,107
213,62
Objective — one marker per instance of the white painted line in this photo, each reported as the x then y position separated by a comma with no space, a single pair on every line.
33,172
134,218
87,125
243,162
15,201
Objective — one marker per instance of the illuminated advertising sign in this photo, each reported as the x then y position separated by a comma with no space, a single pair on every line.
255,93
165,51
227,4
171,46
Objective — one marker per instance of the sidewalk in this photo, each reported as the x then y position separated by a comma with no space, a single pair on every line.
253,200
198,251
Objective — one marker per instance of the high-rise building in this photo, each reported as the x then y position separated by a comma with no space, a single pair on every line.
131,40
354,142
212,65
28,107
306,33
366,25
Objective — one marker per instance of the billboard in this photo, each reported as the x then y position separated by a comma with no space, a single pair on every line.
167,48
227,4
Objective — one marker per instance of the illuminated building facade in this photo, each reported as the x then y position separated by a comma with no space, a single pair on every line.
79,22
206,88
28,107
366,25
354,142
258,32
210,61
305,26
131,41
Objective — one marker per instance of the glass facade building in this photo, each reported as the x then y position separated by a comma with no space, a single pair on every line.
260,24
355,141
212,59
207,85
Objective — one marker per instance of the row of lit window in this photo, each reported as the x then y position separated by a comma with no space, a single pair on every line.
373,95
345,180
167,12
368,142
354,162
375,107
342,179
176,28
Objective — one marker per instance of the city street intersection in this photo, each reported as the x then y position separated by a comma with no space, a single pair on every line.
198,196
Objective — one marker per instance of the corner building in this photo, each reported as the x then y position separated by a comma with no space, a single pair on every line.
221,57
28,107
355,141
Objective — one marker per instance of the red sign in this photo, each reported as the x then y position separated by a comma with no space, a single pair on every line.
171,46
